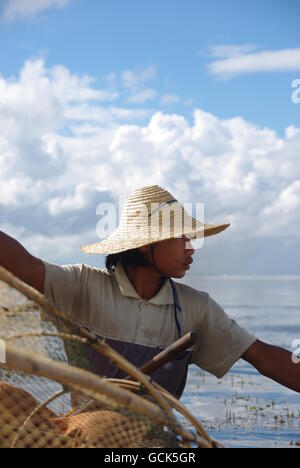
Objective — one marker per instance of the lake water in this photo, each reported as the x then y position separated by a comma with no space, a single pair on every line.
245,409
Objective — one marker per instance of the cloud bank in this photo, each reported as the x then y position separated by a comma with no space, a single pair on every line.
66,145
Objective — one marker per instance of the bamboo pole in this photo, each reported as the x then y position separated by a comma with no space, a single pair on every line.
31,364
170,352
63,336
135,386
187,436
126,383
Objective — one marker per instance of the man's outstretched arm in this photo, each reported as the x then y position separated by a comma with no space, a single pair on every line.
275,363
15,258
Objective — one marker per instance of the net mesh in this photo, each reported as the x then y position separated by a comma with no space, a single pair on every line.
50,396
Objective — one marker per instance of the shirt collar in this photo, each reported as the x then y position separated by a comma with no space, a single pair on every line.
163,297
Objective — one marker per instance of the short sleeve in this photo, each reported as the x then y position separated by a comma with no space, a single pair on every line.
222,341
62,285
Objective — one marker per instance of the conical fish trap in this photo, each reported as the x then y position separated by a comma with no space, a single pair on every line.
50,396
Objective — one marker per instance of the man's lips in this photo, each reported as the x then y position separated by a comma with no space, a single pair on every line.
188,263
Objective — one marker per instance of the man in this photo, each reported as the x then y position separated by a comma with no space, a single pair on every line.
135,304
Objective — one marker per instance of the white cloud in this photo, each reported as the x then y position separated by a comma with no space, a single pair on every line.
131,79
238,60
169,99
64,148
142,96
230,50
71,202
24,8
134,85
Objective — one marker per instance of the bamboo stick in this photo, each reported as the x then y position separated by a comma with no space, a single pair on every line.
81,380
169,353
63,336
135,386
188,436
31,364
188,341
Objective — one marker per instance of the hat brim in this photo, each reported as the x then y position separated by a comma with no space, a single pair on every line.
116,244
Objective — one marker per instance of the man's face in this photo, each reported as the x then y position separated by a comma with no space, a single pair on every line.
172,257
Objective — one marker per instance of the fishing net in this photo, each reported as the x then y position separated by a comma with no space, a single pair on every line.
50,396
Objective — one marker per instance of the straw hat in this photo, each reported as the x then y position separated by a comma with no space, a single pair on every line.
151,214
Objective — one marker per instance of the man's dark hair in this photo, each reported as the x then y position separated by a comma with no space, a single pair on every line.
134,258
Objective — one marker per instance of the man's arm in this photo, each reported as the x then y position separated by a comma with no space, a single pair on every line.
274,363
21,263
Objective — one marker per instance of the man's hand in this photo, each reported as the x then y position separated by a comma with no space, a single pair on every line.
275,363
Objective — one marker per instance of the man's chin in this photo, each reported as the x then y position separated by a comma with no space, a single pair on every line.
180,274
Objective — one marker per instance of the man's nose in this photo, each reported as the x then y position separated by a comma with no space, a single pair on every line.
188,245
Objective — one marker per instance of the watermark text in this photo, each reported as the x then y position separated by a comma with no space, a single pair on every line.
153,222
296,92
296,353
2,352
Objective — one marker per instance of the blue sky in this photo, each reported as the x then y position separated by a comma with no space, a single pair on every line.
194,96
175,36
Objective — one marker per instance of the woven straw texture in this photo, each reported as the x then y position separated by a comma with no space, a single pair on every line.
151,214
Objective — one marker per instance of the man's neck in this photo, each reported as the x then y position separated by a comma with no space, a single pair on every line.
145,280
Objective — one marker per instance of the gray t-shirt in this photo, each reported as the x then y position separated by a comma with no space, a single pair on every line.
109,306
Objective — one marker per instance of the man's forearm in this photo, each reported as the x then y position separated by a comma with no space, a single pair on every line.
275,363
284,370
